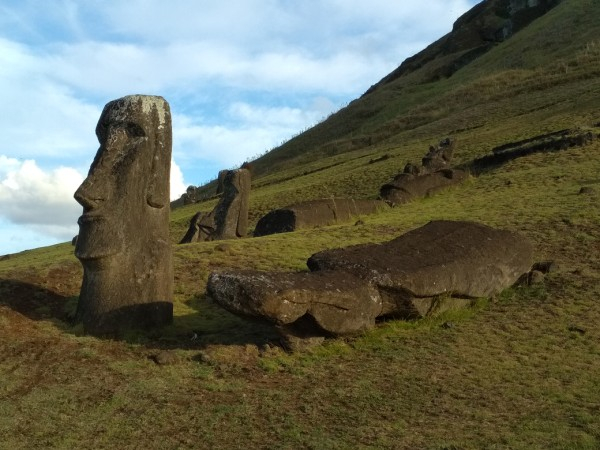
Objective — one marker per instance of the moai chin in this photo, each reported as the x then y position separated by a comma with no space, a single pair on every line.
124,244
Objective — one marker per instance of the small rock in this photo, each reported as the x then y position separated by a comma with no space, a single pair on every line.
586,190
448,325
164,358
204,357
535,277
225,248
299,344
576,329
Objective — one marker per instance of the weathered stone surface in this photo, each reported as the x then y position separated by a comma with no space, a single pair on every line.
337,303
535,277
439,157
432,176
406,187
461,259
229,219
221,181
202,226
231,213
315,213
441,266
123,242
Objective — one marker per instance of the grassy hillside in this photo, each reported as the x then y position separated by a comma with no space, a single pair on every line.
518,371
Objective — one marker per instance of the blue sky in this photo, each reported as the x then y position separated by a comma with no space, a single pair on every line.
241,77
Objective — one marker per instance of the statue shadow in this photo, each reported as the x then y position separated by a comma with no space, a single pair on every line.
208,324
36,302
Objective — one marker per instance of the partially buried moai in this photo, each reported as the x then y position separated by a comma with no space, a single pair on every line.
123,242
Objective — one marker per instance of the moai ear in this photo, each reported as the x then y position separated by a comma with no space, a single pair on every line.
159,184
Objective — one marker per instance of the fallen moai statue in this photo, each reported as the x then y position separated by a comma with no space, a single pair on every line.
315,213
439,157
442,265
432,176
229,219
406,187
543,143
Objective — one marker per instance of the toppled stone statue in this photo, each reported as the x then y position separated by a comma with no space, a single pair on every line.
554,141
407,187
315,213
439,157
229,219
435,174
440,266
123,242
202,226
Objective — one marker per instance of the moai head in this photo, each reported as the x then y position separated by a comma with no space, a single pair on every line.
124,244
126,184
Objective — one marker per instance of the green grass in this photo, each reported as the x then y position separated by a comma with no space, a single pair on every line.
518,371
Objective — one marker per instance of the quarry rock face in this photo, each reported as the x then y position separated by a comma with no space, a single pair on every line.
440,266
473,34
315,213
123,242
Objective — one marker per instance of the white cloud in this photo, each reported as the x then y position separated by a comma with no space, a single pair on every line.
252,130
178,185
42,200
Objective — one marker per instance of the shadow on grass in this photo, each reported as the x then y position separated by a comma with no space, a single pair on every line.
35,302
210,324
207,325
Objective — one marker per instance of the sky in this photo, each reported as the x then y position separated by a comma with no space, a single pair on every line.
241,77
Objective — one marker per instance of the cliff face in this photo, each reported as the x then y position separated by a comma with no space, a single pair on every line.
473,34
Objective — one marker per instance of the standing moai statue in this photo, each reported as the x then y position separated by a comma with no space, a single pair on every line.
124,244
229,218
231,213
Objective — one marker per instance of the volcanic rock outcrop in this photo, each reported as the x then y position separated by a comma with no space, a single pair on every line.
315,213
440,266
